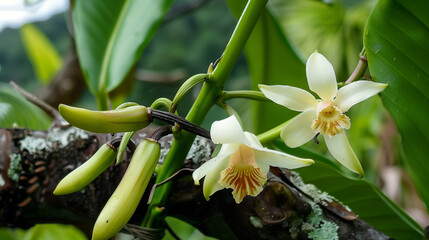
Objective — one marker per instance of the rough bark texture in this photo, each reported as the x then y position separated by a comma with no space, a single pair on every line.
33,162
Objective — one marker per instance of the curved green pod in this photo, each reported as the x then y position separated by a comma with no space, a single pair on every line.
121,120
124,201
87,172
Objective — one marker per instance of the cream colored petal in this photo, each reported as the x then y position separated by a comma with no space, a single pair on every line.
264,167
356,92
205,168
227,130
265,157
211,182
298,131
293,98
252,140
224,152
340,148
228,149
280,159
321,76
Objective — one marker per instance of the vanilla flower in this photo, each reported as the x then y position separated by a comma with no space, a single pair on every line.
325,116
242,163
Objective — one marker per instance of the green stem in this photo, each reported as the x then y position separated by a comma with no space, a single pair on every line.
102,102
248,94
271,134
230,110
242,31
360,68
162,102
186,86
208,96
176,155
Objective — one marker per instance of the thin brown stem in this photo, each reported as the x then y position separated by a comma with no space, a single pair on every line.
36,101
166,181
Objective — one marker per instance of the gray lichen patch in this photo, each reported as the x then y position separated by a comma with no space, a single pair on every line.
15,167
65,136
315,193
315,225
201,150
165,148
327,230
33,145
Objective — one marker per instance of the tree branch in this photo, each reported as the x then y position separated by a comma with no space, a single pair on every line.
33,162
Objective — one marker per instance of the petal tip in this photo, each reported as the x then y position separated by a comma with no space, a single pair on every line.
308,161
196,178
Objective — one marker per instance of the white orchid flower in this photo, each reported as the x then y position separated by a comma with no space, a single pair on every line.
325,116
242,163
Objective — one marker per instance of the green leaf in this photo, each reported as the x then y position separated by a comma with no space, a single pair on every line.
271,60
111,36
7,234
184,230
54,232
14,109
361,196
334,28
396,42
44,57
12,234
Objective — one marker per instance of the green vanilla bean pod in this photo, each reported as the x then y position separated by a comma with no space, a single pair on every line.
124,201
127,119
87,172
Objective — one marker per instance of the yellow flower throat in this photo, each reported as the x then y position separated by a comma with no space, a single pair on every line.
243,174
330,120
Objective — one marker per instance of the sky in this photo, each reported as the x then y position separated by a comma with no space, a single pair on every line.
15,13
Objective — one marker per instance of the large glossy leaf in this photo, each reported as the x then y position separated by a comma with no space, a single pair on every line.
271,60
361,196
54,232
184,230
43,232
397,44
14,109
44,57
111,36
12,234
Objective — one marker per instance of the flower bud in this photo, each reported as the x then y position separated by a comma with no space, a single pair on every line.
87,172
121,120
124,201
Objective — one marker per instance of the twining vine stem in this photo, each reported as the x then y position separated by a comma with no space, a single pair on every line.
208,97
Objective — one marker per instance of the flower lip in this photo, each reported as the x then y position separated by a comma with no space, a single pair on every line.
244,180
330,120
